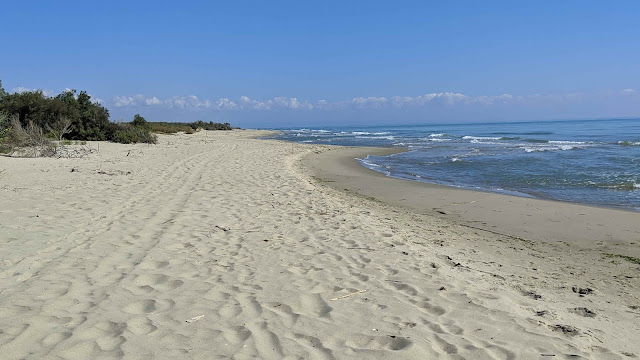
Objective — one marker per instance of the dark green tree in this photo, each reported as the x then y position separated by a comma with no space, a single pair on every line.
2,92
140,122
89,120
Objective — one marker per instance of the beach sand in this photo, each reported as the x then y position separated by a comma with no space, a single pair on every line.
218,245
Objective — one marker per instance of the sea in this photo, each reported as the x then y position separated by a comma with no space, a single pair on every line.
595,162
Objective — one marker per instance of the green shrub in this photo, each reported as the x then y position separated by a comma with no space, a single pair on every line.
87,120
131,135
140,122
210,125
169,128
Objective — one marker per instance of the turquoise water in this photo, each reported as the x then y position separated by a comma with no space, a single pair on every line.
592,161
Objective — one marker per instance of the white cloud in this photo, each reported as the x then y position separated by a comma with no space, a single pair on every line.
280,102
121,101
152,101
629,91
45,92
225,104
187,102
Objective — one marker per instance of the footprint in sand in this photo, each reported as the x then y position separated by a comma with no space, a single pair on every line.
141,307
148,306
313,305
388,342
430,309
158,282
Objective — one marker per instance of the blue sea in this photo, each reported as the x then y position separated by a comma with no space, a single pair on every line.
593,162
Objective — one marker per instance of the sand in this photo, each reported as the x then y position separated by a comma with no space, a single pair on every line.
219,245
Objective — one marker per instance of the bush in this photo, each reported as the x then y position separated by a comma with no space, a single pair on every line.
140,122
128,134
71,116
169,128
29,141
88,120
210,125
5,128
188,128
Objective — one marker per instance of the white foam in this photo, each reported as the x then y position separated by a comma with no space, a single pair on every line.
551,148
438,140
437,135
480,138
376,137
567,142
367,163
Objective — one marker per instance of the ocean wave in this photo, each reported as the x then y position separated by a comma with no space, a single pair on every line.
438,135
551,148
376,137
438,140
560,142
467,137
522,133
369,163
629,143
367,133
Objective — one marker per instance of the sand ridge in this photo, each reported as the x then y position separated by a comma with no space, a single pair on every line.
219,245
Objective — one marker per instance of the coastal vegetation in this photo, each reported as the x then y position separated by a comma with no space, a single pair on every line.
189,128
31,120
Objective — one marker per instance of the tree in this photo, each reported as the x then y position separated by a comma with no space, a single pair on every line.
140,122
2,92
89,120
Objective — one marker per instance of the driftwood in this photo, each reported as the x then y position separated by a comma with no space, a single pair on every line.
194,319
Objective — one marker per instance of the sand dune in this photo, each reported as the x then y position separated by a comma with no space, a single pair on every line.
218,245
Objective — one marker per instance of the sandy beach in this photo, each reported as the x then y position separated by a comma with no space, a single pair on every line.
218,245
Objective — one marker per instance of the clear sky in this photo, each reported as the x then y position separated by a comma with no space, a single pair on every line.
295,63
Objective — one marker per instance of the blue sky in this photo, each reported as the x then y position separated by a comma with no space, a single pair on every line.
291,63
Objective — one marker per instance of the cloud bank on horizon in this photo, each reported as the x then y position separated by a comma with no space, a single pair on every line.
195,103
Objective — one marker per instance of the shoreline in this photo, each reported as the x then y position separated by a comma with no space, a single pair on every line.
528,218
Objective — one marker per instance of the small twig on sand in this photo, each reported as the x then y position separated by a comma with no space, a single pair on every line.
194,319
348,295
360,248
222,228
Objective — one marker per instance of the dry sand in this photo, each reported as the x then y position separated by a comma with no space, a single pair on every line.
218,245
